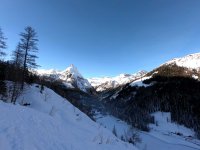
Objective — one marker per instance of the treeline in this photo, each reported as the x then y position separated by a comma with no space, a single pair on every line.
178,95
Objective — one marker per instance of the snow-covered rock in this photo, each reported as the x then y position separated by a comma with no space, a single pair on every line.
101,84
70,77
51,123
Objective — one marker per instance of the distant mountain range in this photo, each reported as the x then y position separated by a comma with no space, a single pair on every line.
71,78
105,83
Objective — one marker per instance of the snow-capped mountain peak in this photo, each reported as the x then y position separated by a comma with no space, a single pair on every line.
191,61
70,77
72,70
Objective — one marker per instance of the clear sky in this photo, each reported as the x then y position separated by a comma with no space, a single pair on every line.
105,37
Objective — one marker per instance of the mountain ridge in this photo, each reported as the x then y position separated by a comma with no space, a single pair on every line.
188,65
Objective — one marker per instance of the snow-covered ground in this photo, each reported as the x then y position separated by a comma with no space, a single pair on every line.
162,136
51,123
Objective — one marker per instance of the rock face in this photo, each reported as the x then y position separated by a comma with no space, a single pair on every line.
70,77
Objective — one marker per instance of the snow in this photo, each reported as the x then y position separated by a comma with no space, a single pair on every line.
195,77
70,77
139,82
161,137
166,126
191,61
101,84
51,123
110,122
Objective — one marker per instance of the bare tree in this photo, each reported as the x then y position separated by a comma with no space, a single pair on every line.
28,45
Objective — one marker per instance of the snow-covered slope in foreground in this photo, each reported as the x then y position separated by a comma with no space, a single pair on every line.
70,77
191,61
51,123
101,84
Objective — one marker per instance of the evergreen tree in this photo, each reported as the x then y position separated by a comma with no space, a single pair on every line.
28,45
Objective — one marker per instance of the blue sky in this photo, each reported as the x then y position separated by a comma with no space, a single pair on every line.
105,37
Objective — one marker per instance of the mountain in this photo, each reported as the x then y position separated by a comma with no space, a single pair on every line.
185,66
172,87
70,77
191,61
188,66
108,83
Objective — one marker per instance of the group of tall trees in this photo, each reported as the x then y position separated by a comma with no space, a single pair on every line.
23,60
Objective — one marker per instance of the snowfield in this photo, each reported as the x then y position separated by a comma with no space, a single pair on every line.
51,123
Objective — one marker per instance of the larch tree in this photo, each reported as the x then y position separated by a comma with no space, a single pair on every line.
28,45
17,57
2,44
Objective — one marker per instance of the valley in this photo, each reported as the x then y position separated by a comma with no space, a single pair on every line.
119,97
144,111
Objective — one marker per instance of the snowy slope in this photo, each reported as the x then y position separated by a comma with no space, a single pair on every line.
51,123
101,84
191,61
161,137
139,82
70,77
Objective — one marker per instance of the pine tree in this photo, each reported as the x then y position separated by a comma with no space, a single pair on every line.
2,44
28,45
